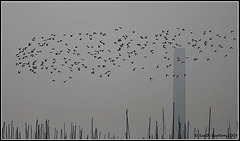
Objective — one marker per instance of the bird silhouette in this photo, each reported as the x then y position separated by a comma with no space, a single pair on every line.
177,76
195,59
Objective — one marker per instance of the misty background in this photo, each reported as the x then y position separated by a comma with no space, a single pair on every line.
28,97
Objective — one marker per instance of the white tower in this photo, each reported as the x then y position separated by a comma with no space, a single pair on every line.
179,84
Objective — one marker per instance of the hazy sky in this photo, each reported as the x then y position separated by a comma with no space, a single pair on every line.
28,96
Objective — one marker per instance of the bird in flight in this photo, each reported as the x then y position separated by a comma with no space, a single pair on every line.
195,59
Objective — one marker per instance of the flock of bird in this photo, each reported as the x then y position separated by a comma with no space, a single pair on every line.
63,55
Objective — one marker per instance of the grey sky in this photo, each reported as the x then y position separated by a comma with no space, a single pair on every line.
212,83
